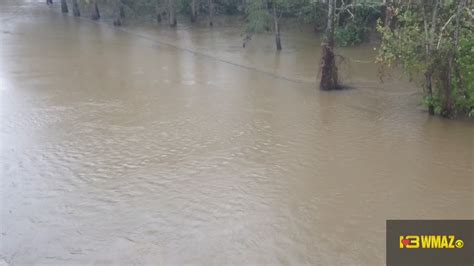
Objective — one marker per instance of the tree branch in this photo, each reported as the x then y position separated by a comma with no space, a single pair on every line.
443,28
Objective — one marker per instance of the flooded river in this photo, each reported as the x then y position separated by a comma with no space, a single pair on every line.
150,145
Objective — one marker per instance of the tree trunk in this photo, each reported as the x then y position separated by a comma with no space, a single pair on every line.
328,60
122,10
118,13
430,30
64,8
276,27
158,11
211,13
446,81
75,9
193,11
429,90
95,14
452,68
49,2
389,14
457,71
172,12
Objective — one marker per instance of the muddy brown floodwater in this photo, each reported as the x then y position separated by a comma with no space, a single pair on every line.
150,145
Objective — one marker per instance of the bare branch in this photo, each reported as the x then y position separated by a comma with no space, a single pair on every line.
443,28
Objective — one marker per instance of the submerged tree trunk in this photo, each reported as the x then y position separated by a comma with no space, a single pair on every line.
193,11
122,10
49,2
172,12
429,90
95,14
75,9
159,11
211,12
430,30
328,60
446,80
276,27
118,13
452,68
64,8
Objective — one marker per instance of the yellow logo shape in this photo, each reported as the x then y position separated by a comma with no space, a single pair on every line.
459,243
430,242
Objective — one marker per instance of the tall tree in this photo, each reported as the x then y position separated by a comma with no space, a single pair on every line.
118,13
328,61
159,10
211,12
434,38
75,9
64,8
172,12
194,7
389,13
457,72
430,31
95,14
261,14
276,25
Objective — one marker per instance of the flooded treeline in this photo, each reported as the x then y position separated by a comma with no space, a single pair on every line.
431,40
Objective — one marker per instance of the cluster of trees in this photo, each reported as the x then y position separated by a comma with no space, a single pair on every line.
433,37
352,17
161,8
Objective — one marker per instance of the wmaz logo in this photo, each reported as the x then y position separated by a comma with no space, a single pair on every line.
430,241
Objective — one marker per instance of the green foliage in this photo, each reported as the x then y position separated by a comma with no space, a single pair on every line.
368,12
466,78
404,46
356,22
308,11
139,8
258,18
349,35
183,6
435,52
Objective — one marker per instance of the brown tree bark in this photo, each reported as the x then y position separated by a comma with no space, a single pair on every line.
172,12
64,8
75,9
328,60
276,26
95,14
